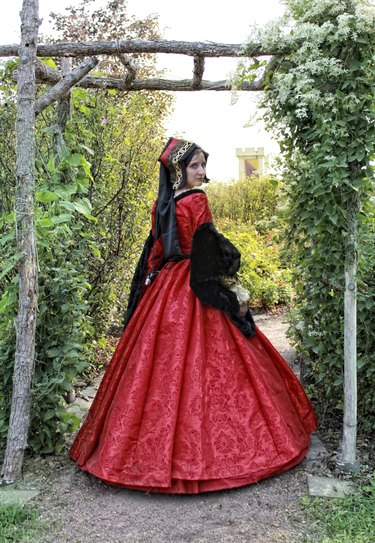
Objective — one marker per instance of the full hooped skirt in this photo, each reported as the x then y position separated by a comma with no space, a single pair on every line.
188,404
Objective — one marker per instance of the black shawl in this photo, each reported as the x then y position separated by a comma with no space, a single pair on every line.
214,256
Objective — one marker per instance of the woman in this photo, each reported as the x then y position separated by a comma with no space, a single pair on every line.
195,398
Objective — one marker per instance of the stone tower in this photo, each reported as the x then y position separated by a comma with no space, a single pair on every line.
251,161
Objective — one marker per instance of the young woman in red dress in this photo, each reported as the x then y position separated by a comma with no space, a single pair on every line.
195,398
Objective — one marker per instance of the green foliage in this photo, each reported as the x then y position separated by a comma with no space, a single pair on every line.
349,520
320,104
95,171
20,524
253,200
63,325
122,150
246,211
261,273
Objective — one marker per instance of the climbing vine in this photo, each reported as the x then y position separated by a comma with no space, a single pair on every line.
319,103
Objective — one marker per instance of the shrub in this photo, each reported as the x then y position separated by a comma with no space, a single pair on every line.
247,212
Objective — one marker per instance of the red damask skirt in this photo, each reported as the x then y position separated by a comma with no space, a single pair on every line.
188,404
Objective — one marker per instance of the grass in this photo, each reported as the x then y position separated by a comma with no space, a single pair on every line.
19,524
349,520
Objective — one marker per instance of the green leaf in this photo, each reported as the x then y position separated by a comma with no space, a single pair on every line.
7,300
86,167
82,184
64,217
102,342
9,265
51,167
67,205
9,218
4,301
7,237
46,196
45,223
66,190
55,351
49,62
361,153
48,415
333,218
90,151
338,381
95,251
79,94
74,159
84,207
361,362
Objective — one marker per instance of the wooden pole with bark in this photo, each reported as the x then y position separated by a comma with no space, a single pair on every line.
347,461
62,112
26,242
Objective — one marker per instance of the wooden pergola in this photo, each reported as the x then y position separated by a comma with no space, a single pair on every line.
123,50
32,71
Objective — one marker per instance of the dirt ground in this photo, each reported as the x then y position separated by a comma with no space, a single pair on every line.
82,509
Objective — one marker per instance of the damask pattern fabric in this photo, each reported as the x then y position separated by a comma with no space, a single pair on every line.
189,404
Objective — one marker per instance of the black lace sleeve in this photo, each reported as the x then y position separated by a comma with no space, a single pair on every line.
212,256
138,279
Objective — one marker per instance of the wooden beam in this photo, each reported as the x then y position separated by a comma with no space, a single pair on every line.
49,75
131,71
183,85
65,84
43,73
80,49
163,85
198,72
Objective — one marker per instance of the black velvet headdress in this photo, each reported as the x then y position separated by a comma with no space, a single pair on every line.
173,160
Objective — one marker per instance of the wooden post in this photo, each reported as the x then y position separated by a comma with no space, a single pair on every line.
28,278
62,112
347,461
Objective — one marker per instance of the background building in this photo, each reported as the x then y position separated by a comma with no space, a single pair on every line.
252,160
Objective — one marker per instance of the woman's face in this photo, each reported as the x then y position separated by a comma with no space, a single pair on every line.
196,170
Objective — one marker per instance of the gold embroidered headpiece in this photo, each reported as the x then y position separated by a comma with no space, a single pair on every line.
174,157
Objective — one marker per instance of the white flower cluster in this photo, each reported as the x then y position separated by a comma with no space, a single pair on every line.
315,26
271,36
318,8
311,332
305,85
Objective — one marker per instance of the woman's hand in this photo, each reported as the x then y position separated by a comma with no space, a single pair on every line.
243,309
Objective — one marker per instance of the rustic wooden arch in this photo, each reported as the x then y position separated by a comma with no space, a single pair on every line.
32,71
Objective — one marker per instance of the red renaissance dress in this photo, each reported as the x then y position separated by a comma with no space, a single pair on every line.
188,403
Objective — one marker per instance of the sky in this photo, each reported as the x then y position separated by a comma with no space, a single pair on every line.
209,118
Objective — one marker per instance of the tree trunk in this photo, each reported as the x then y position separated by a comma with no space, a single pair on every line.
24,210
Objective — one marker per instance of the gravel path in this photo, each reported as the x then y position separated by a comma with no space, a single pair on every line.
85,510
